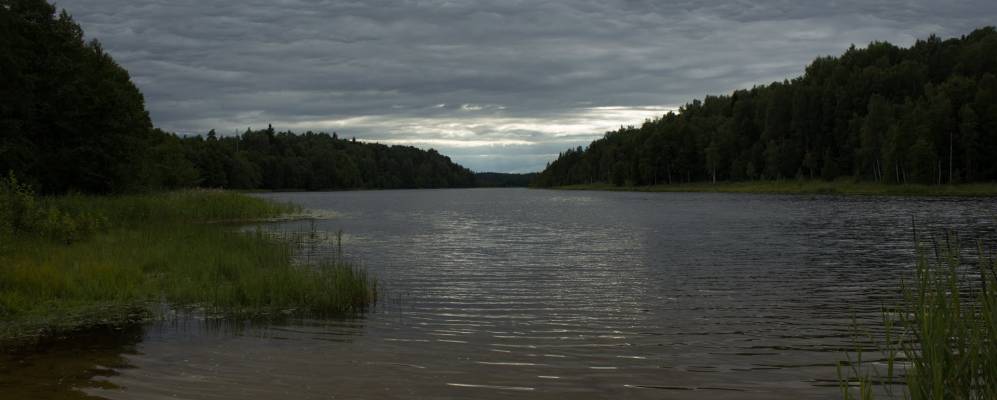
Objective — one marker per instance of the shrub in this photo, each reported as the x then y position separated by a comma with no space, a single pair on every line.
22,214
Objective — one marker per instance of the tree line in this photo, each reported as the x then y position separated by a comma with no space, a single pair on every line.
923,114
266,159
500,179
70,117
71,120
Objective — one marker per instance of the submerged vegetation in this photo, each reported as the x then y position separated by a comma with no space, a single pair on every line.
72,261
941,342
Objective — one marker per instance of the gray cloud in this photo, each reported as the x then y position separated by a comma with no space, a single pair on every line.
498,86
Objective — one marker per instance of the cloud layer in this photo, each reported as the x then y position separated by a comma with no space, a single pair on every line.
501,85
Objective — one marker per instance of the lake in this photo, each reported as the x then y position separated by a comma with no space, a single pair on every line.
516,293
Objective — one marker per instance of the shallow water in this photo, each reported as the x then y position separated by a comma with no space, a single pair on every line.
513,293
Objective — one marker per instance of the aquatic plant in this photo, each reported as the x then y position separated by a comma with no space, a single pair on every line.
941,341
178,207
155,249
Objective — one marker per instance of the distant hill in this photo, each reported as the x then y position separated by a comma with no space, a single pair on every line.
923,114
498,179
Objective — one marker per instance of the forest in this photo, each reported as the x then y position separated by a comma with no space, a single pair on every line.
499,179
925,114
71,120
265,159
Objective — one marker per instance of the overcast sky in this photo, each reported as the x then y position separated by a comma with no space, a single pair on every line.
498,86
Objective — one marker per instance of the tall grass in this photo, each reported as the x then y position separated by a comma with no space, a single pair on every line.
149,250
180,207
22,214
941,342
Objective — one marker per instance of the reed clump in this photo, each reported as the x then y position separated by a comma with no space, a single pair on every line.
941,342
111,260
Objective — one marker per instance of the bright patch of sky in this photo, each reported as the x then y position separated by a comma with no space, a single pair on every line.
498,86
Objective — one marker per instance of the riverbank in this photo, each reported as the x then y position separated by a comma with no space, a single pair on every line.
807,187
72,262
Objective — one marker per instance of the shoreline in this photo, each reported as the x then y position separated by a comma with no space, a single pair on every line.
803,187
113,260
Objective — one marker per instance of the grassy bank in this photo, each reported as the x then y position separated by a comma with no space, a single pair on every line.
941,341
74,261
807,187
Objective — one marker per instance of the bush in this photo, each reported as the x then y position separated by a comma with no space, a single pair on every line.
21,214
17,204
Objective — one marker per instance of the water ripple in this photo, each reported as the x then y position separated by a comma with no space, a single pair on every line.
574,294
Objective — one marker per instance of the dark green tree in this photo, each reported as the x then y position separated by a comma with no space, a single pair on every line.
925,114
70,117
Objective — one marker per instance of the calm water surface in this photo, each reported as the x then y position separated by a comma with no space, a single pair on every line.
514,293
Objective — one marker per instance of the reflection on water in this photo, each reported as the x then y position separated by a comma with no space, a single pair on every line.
544,294
59,369
196,359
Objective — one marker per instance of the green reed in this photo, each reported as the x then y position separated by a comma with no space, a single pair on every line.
941,341
186,206
149,250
